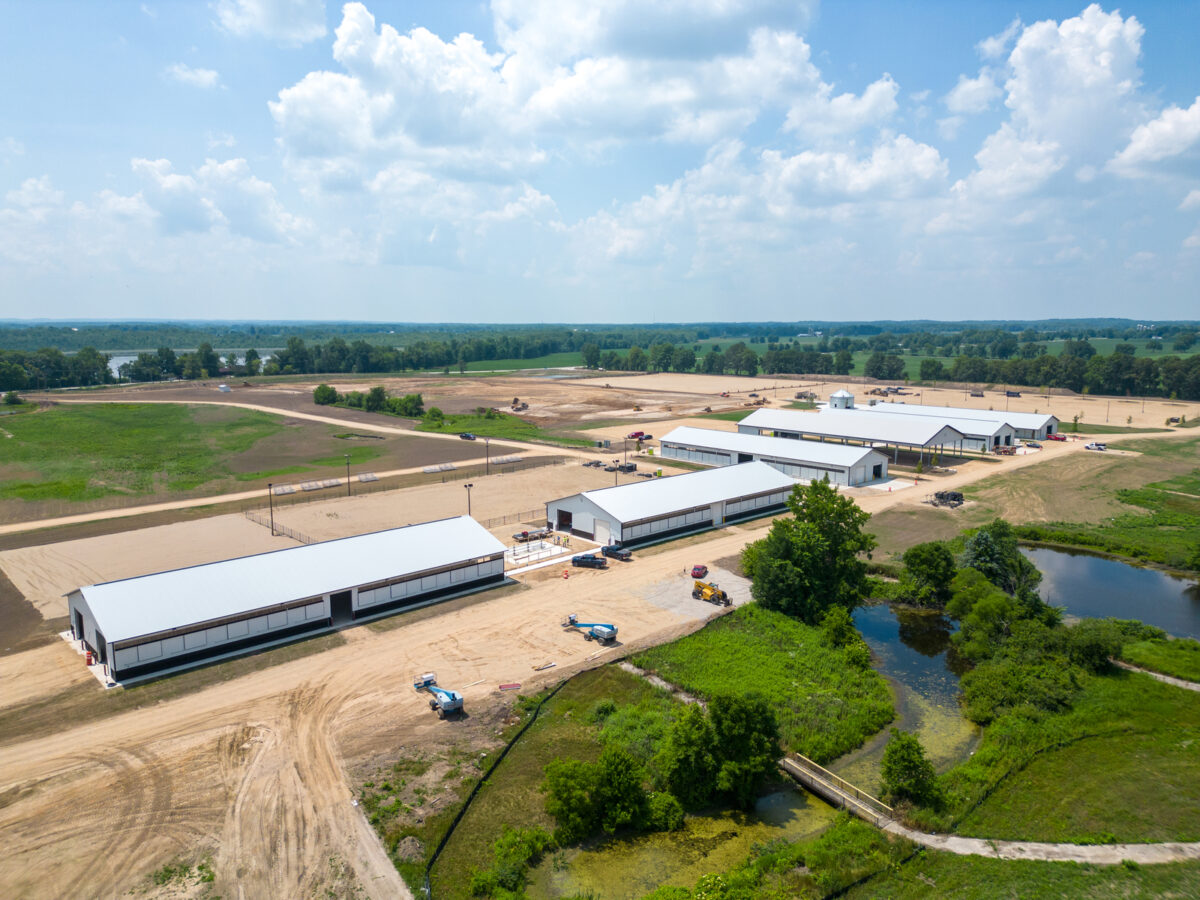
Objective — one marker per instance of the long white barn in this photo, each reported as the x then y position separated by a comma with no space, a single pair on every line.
650,510
1027,426
803,460
860,426
166,620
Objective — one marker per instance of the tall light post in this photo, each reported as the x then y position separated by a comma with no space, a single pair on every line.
347,455
487,455
468,486
625,448
616,471
271,503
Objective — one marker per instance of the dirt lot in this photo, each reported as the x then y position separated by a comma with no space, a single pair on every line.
253,770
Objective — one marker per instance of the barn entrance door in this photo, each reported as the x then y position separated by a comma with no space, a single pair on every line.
564,520
341,611
78,625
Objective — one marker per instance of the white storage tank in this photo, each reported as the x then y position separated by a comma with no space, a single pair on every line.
841,400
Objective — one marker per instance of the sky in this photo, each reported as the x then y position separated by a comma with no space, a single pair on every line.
599,160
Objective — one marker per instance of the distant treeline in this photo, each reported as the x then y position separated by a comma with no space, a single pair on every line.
132,336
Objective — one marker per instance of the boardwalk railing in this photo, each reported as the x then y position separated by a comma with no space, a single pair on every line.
835,789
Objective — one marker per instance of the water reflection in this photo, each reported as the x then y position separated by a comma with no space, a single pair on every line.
1088,585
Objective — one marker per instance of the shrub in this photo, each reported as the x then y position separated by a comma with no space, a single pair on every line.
928,570
906,772
837,627
324,395
12,399
665,813
688,758
513,853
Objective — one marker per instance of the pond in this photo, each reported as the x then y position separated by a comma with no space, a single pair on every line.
1089,585
912,650
633,867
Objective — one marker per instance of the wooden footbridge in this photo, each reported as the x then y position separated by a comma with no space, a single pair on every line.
837,791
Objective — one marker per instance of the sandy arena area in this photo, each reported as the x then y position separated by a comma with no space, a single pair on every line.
46,573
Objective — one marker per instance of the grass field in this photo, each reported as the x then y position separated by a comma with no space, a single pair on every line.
826,706
512,797
732,415
86,452
1122,765
934,874
1179,658
502,426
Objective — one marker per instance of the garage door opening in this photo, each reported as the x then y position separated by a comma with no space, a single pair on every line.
563,521
745,458
341,610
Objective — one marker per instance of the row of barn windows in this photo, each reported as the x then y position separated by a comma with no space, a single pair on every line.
403,589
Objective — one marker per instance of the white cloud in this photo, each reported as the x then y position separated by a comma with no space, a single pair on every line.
948,127
220,139
996,46
1009,166
289,22
1175,131
972,95
10,147
218,197
148,11
1191,201
185,74
822,115
35,194
899,167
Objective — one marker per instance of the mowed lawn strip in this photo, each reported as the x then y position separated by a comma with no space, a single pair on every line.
826,706
512,796
1180,659
935,874
500,426
1122,765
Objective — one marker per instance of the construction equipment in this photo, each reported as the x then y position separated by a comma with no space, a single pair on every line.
592,631
705,590
443,702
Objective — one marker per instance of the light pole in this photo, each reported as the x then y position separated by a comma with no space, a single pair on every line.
616,471
625,448
487,456
347,455
271,503
468,486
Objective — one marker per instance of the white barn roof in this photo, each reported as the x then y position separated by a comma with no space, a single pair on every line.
1023,420
177,598
857,425
841,455
660,496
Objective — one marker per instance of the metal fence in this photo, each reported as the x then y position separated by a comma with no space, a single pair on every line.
529,515
277,528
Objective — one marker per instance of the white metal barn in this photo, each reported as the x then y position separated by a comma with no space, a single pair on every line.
1027,426
803,460
980,432
145,625
660,507
860,426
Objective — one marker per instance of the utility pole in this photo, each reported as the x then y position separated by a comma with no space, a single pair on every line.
616,471
347,455
487,456
271,503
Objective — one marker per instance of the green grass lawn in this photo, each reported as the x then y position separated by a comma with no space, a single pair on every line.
826,706
86,452
1179,658
512,796
502,426
732,415
1123,764
935,874
549,361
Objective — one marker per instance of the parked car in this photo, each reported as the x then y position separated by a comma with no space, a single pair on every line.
699,571
647,437
1095,446
635,435
589,561
615,552
467,436
1056,437
1034,444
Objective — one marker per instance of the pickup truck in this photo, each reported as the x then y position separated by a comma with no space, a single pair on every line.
1095,446
635,435
1056,437
616,552
589,561
536,535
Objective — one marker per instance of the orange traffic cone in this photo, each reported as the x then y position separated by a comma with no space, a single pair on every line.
566,573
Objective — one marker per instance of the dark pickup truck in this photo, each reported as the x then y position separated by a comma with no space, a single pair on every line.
589,561
616,552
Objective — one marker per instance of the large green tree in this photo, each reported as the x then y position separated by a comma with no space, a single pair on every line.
906,772
687,759
747,745
928,570
810,561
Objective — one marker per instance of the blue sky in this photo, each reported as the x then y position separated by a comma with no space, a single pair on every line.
584,160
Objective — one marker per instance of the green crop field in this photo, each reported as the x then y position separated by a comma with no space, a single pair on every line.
826,706
499,426
87,452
